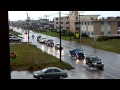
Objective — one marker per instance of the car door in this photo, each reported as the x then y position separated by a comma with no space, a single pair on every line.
56,73
48,73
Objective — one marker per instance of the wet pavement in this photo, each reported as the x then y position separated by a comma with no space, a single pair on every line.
81,71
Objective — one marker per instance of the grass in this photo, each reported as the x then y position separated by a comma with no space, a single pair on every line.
109,45
15,33
29,57
54,34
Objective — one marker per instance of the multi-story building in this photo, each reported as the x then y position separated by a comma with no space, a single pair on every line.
89,24
64,22
68,22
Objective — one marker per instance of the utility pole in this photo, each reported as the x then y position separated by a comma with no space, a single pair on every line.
80,26
46,23
69,25
60,32
27,27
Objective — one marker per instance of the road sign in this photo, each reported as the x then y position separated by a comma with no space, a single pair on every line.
77,35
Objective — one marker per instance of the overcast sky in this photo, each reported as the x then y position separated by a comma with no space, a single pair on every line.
22,15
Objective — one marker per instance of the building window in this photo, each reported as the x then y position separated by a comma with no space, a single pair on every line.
67,18
88,23
102,23
108,32
61,18
91,23
81,23
76,18
108,23
56,18
102,33
85,23
67,22
67,27
56,22
92,33
61,22
77,28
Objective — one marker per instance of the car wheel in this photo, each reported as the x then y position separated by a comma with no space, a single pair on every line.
40,77
75,57
60,77
19,40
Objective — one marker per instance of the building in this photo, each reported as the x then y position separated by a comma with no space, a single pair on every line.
99,27
89,24
70,21
64,23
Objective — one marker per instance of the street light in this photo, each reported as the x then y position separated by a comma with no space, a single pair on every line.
80,26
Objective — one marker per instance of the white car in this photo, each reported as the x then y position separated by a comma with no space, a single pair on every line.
14,38
42,40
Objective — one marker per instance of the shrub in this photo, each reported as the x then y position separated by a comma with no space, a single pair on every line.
102,38
84,35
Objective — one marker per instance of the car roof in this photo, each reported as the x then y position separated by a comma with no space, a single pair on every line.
53,68
79,51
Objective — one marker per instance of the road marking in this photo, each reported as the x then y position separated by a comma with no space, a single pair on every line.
109,75
113,67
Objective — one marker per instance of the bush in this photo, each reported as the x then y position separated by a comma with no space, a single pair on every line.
102,38
84,35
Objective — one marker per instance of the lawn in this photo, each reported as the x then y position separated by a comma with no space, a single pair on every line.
15,33
112,45
54,34
29,57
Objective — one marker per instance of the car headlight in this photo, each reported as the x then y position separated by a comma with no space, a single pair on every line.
102,63
94,63
35,74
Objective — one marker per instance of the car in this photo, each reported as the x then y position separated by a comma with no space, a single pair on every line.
73,51
14,38
94,61
58,46
42,40
50,73
80,55
38,38
50,43
49,40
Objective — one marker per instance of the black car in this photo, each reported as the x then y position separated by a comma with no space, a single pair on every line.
38,38
94,61
80,55
50,43
49,40
58,46
73,52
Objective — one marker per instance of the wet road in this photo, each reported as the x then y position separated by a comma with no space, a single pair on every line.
81,71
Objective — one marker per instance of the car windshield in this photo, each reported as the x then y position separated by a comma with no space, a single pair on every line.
45,69
80,54
78,49
95,59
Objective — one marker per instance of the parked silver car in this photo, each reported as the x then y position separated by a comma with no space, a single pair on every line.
50,73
